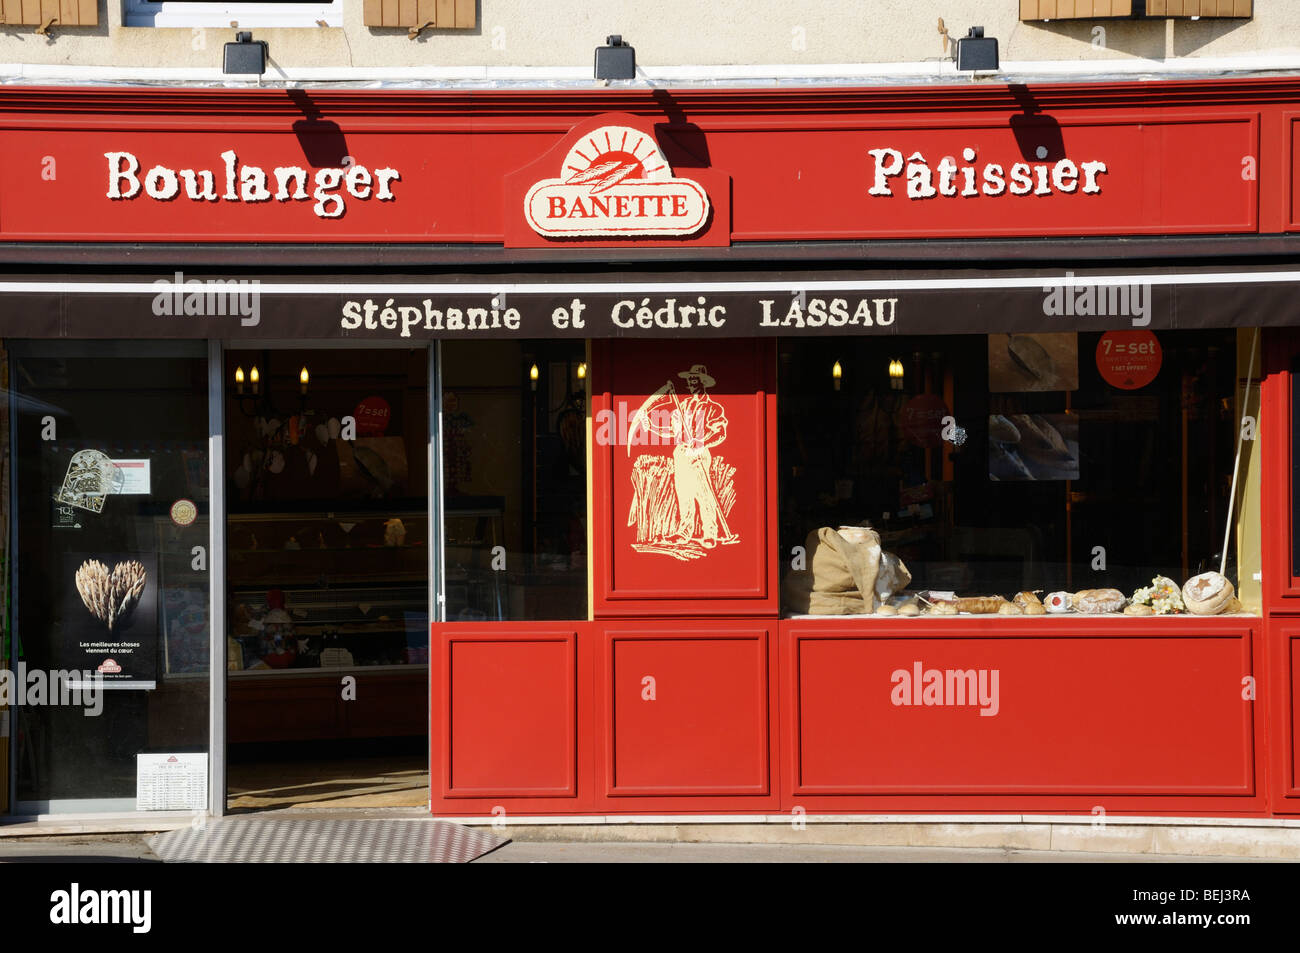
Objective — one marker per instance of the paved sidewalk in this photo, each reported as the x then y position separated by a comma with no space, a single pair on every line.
131,848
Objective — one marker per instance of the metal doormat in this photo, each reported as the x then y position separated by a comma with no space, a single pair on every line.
258,840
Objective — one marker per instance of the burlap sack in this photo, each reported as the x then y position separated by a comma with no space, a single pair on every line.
841,574
839,565
800,599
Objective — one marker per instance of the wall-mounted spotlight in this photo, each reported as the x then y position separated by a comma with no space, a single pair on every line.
245,55
615,61
976,52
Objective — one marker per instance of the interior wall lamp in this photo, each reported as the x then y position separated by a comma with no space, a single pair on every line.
837,373
532,377
896,374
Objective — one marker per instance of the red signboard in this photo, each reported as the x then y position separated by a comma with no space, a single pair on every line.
559,169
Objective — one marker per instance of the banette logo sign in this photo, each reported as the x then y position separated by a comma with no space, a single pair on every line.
615,181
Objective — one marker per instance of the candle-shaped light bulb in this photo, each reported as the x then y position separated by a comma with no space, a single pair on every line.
837,372
532,376
302,380
254,378
582,371
239,380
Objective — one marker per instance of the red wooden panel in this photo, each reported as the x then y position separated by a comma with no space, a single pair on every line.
1281,583
688,711
1291,640
511,703
1283,689
1130,717
1292,121
669,539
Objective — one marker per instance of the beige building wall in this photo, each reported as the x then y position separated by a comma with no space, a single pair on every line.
674,33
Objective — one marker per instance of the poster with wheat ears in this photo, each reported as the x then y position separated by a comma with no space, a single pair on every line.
109,616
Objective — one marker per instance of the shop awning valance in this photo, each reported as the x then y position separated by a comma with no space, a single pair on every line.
402,309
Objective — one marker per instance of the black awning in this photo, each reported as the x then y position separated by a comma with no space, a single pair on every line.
647,303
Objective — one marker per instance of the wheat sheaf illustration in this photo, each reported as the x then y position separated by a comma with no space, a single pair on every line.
111,597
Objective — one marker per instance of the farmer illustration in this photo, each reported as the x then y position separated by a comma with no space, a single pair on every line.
704,494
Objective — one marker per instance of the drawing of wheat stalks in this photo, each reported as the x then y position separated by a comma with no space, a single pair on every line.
111,597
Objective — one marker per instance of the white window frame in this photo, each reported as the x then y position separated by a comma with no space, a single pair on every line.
192,13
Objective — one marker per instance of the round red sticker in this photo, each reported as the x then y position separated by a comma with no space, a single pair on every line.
372,416
1129,359
923,420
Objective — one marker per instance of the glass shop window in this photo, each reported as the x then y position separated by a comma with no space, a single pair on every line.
327,499
514,479
1009,473
110,455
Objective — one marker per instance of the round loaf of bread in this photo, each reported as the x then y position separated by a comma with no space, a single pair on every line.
1094,601
1207,594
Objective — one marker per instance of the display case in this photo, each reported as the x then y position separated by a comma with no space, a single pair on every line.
318,596
327,590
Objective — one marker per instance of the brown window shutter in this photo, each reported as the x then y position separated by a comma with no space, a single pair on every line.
62,13
1155,9
436,14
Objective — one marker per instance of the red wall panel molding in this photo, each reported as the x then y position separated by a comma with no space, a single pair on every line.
684,477
511,717
687,715
1283,689
1276,425
1021,715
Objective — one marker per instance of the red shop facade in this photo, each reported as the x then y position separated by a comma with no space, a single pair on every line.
800,310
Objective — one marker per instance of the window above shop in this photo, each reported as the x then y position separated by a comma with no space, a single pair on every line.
1134,9
232,13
